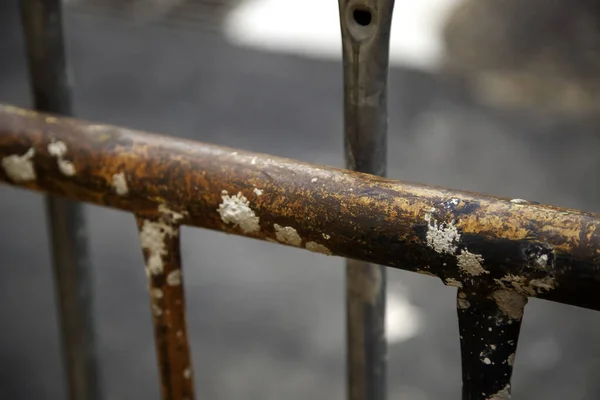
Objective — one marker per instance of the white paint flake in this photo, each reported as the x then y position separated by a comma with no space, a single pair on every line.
236,210
487,361
441,237
157,293
471,263
317,248
174,216
258,192
313,180
174,278
253,161
452,282
119,183
152,237
20,168
187,373
288,235
519,201
58,149
326,236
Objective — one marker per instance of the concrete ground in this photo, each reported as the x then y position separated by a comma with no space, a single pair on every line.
267,322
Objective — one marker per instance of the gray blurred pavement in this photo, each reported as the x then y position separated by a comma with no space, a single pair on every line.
267,322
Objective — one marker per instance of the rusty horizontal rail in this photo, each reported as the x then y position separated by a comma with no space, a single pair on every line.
469,240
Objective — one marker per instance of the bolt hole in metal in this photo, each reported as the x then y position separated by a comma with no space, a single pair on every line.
362,16
361,22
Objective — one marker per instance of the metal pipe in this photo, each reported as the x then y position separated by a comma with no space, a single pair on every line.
365,26
159,237
466,239
42,26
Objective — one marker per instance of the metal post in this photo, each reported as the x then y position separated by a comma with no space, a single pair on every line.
365,26
159,237
42,25
489,325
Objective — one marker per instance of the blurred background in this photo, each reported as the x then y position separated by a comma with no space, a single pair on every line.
484,97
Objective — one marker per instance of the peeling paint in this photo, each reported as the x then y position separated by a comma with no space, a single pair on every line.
525,287
326,236
510,303
441,237
173,215
511,359
20,168
174,278
288,235
453,282
313,180
258,192
157,293
462,304
152,237
317,248
470,263
486,361
119,183
59,149
236,210
503,394
451,203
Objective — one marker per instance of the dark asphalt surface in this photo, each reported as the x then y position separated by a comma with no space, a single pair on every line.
267,322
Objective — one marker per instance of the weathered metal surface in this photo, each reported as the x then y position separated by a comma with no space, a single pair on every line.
365,26
42,27
489,324
461,237
159,237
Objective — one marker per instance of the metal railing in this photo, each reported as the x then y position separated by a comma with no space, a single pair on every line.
497,252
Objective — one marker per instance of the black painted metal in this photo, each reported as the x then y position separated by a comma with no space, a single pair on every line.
365,26
489,327
42,26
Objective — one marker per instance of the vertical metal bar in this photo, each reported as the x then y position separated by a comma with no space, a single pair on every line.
42,25
159,237
489,327
365,26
